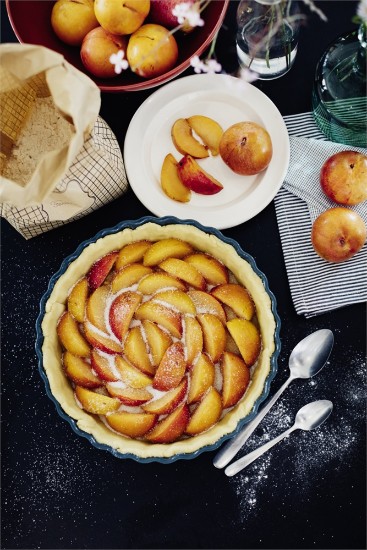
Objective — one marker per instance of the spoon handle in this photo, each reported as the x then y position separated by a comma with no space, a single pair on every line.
225,455
240,464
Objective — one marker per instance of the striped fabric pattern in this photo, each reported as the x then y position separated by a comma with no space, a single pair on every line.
316,286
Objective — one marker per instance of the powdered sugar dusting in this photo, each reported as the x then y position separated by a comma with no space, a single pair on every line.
295,463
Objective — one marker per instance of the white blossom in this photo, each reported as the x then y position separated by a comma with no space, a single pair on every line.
247,75
209,66
118,60
188,13
362,10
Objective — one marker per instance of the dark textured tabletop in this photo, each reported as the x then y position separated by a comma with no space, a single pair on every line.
58,491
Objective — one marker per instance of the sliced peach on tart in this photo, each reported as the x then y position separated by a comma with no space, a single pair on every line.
171,427
178,299
128,276
206,303
212,269
71,337
169,401
247,337
157,281
79,371
131,424
206,414
77,300
96,307
128,396
236,378
101,341
170,181
171,369
131,253
214,335
166,248
185,142
184,271
136,352
202,377
101,269
104,366
132,376
193,339
167,318
96,403
208,130
158,341
237,298
122,311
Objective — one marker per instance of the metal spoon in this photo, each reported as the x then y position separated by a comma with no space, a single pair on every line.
309,417
305,361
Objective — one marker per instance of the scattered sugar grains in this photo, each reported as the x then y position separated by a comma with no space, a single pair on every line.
328,446
44,130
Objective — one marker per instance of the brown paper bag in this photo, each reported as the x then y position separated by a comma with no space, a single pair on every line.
58,159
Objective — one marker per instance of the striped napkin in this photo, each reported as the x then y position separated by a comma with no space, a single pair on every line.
316,286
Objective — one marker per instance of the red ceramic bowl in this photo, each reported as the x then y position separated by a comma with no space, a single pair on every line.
23,12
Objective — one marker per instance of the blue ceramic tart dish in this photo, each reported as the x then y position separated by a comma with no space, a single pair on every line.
75,266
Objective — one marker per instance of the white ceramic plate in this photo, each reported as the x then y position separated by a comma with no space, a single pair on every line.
227,100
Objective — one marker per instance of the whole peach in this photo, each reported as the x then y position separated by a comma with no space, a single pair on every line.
121,16
343,177
71,20
96,50
338,233
151,51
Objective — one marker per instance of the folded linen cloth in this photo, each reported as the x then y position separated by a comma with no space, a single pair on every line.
316,286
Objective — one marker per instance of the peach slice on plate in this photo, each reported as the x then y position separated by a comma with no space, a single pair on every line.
100,270
157,281
96,403
247,338
101,341
131,253
185,142
184,271
79,371
128,276
131,424
128,396
208,130
194,177
212,269
171,182
105,368
166,248
171,369
70,336
158,341
121,312
205,303
236,377
202,377
168,402
193,339
167,318
171,427
135,351
96,307
177,299
214,335
237,298
206,414
77,299
131,375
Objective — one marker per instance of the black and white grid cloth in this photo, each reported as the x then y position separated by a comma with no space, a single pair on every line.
316,286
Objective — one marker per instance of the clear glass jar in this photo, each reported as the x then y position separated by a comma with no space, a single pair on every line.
267,36
339,97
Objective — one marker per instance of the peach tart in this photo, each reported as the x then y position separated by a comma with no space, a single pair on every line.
158,340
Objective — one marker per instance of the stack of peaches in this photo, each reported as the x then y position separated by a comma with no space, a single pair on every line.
103,27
